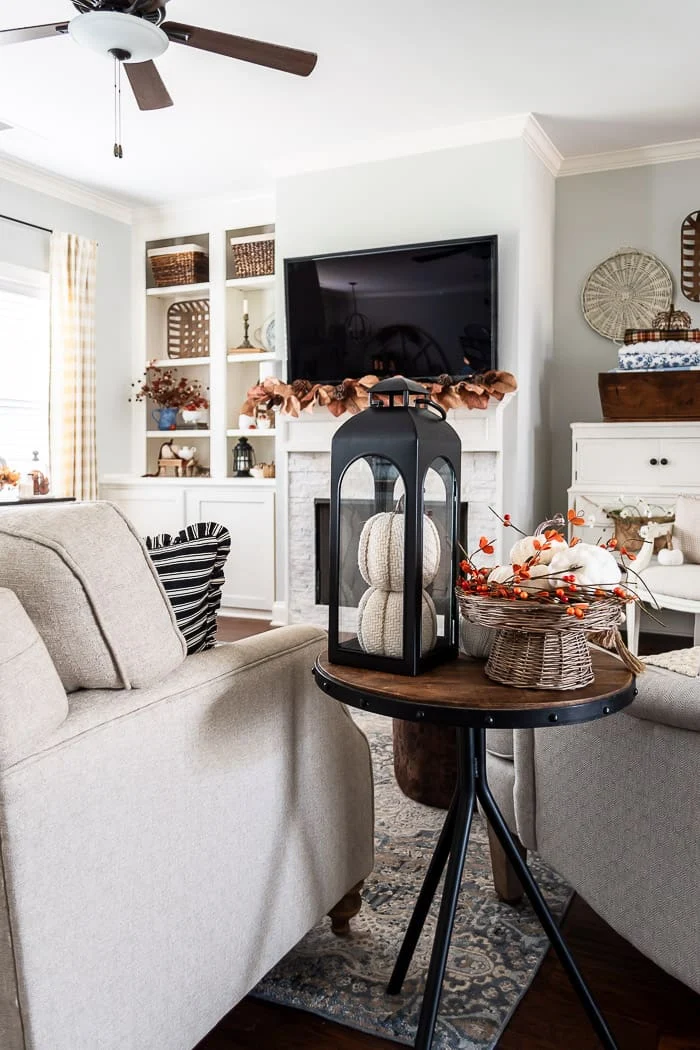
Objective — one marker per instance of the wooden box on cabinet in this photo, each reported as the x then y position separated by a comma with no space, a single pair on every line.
649,396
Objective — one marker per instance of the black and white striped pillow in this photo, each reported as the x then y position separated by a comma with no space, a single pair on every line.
191,568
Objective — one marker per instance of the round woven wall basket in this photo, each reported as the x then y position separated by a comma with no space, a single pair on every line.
539,646
627,290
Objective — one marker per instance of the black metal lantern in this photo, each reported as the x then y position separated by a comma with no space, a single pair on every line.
243,458
395,482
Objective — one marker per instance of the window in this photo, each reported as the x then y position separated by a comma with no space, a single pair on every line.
24,366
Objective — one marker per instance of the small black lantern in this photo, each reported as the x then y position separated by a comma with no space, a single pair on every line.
243,458
395,483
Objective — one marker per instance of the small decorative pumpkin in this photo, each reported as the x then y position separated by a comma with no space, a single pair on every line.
529,546
380,553
380,623
590,565
670,557
672,320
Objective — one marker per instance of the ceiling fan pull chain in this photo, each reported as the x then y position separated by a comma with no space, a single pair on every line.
118,151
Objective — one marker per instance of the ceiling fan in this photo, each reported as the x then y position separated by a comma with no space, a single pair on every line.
134,32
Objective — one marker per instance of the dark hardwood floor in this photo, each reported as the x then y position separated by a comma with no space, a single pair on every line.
646,1009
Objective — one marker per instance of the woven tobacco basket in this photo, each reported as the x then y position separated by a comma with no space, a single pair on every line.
539,646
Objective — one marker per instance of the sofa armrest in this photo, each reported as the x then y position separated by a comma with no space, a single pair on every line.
214,670
667,698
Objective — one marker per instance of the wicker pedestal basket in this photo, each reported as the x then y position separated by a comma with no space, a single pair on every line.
540,646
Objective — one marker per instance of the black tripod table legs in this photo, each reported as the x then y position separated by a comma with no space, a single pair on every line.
451,850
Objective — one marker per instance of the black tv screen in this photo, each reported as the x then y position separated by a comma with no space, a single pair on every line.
420,311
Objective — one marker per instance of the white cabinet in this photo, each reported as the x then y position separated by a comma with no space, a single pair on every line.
249,515
652,461
151,508
247,509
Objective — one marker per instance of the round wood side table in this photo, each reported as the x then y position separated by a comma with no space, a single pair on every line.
459,694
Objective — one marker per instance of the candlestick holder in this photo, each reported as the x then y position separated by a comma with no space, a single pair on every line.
246,344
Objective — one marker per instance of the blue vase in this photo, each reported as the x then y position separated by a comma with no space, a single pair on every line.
165,417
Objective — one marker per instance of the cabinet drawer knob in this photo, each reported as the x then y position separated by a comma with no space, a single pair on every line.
663,462
653,461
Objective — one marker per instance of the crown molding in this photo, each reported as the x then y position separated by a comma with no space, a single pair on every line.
542,146
663,153
42,181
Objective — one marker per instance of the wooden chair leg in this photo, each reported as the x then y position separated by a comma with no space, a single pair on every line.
505,881
345,910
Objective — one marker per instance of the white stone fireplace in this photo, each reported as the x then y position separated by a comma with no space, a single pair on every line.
304,459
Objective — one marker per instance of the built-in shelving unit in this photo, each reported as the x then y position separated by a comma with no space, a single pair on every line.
232,366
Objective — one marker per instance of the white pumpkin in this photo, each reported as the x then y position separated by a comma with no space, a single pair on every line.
380,623
597,564
525,548
540,579
501,574
380,554
670,557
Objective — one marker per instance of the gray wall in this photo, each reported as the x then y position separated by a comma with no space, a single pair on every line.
26,247
595,215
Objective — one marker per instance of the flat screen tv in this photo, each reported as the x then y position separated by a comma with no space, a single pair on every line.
420,310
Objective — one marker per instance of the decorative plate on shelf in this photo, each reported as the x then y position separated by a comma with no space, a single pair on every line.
267,334
627,290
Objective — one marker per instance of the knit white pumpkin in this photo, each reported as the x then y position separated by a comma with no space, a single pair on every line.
380,553
380,623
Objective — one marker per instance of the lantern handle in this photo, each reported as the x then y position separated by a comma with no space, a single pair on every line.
425,402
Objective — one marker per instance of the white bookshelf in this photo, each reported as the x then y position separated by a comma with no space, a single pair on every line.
225,374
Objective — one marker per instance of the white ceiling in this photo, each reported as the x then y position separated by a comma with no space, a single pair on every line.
601,75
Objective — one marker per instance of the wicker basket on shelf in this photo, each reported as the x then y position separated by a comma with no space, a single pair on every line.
188,328
540,646
179,264
254,256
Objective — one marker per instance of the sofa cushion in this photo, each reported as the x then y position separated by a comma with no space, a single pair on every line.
677,581
191,568
32,700
686,528
88,585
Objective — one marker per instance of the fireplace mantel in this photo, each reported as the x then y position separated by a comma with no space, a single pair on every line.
303,470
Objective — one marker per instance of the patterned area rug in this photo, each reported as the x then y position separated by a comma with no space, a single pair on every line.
495,952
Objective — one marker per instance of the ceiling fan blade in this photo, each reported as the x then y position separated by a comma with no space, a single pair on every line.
147,85
21,36
287,59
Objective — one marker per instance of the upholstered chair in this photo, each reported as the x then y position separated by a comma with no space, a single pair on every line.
170,825
614,807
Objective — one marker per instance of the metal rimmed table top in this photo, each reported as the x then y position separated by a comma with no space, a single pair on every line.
459,693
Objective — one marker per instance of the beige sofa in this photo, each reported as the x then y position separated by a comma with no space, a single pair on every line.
161,847
614,807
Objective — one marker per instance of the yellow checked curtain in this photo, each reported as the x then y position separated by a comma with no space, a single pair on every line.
73,444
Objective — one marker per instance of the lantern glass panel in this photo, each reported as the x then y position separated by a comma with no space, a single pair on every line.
370,558
439,539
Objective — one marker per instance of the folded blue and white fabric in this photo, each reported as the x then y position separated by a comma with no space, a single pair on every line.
636,360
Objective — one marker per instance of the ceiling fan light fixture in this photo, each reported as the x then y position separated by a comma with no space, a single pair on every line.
110,31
